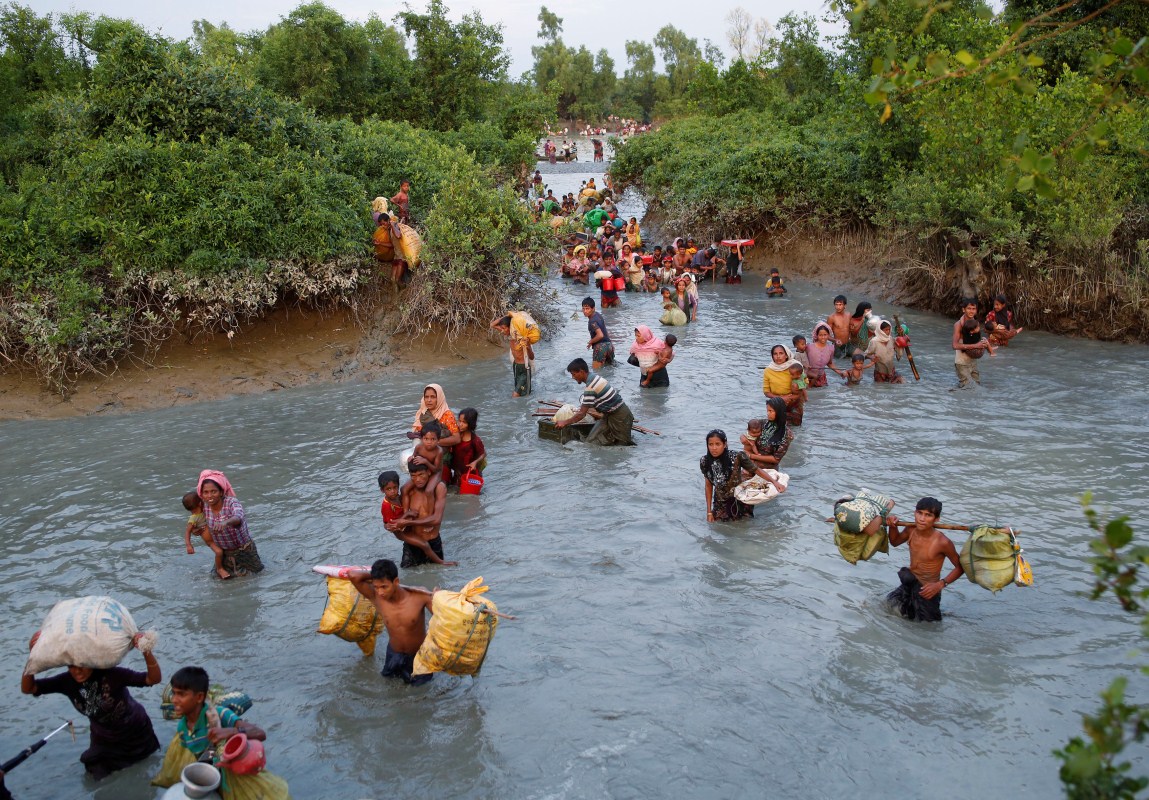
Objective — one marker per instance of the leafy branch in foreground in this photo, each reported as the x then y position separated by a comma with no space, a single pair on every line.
1090,766
1024,53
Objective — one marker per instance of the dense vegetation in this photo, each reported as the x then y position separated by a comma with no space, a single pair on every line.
1021,167
150,186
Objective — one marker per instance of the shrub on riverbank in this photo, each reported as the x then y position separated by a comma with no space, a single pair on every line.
171,195
938,182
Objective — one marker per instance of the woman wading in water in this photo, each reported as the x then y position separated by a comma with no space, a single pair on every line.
227,522
723,472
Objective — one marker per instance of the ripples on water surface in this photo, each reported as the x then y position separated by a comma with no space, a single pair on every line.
655,655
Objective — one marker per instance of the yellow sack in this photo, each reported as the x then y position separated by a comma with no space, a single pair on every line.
523,326
410,246
991,558
856,547
460,632
350,616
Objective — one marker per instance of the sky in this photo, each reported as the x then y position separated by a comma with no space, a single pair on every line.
595,23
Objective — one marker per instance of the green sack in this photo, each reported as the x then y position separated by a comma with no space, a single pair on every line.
856,547
854,512
989,557
673,316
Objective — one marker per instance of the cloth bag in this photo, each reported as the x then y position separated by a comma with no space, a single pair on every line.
991,558
92,631
460,632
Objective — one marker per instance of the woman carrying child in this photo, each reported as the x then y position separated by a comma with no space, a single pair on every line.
651,354
227,521
772,437
778,382
723,472
204,725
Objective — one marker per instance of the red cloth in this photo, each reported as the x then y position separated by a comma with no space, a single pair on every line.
390,511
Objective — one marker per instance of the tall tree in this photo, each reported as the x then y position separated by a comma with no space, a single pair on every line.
738,27
319,58
681,56
457,68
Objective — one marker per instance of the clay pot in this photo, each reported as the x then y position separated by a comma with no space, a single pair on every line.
243,756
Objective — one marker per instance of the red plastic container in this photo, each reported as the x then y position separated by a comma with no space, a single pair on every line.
470,482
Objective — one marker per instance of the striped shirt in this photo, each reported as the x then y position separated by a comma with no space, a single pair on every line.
600,395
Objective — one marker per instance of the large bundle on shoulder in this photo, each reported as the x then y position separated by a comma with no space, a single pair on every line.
93,632
410,246
523,326
991,558
461,629
348,614
856,535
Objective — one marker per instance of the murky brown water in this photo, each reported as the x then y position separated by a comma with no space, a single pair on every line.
655,655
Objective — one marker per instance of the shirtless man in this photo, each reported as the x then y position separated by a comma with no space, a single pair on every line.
839,323
423,517
919,596
402,610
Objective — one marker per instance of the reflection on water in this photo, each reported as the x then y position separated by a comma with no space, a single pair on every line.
655,655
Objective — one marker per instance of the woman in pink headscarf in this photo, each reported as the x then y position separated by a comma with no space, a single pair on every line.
228,524
652,355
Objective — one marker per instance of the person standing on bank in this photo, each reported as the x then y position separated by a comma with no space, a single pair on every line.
614,426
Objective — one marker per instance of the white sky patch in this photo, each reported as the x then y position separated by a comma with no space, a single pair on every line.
594,23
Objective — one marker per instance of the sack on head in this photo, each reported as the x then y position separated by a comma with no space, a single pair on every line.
90,631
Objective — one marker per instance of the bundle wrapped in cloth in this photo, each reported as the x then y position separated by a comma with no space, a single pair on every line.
461,629
92,631
860,525
564,413
991,558
348,614
758,490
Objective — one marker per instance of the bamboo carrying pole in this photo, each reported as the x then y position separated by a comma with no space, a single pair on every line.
943,526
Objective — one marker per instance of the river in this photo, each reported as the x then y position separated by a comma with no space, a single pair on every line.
654,655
